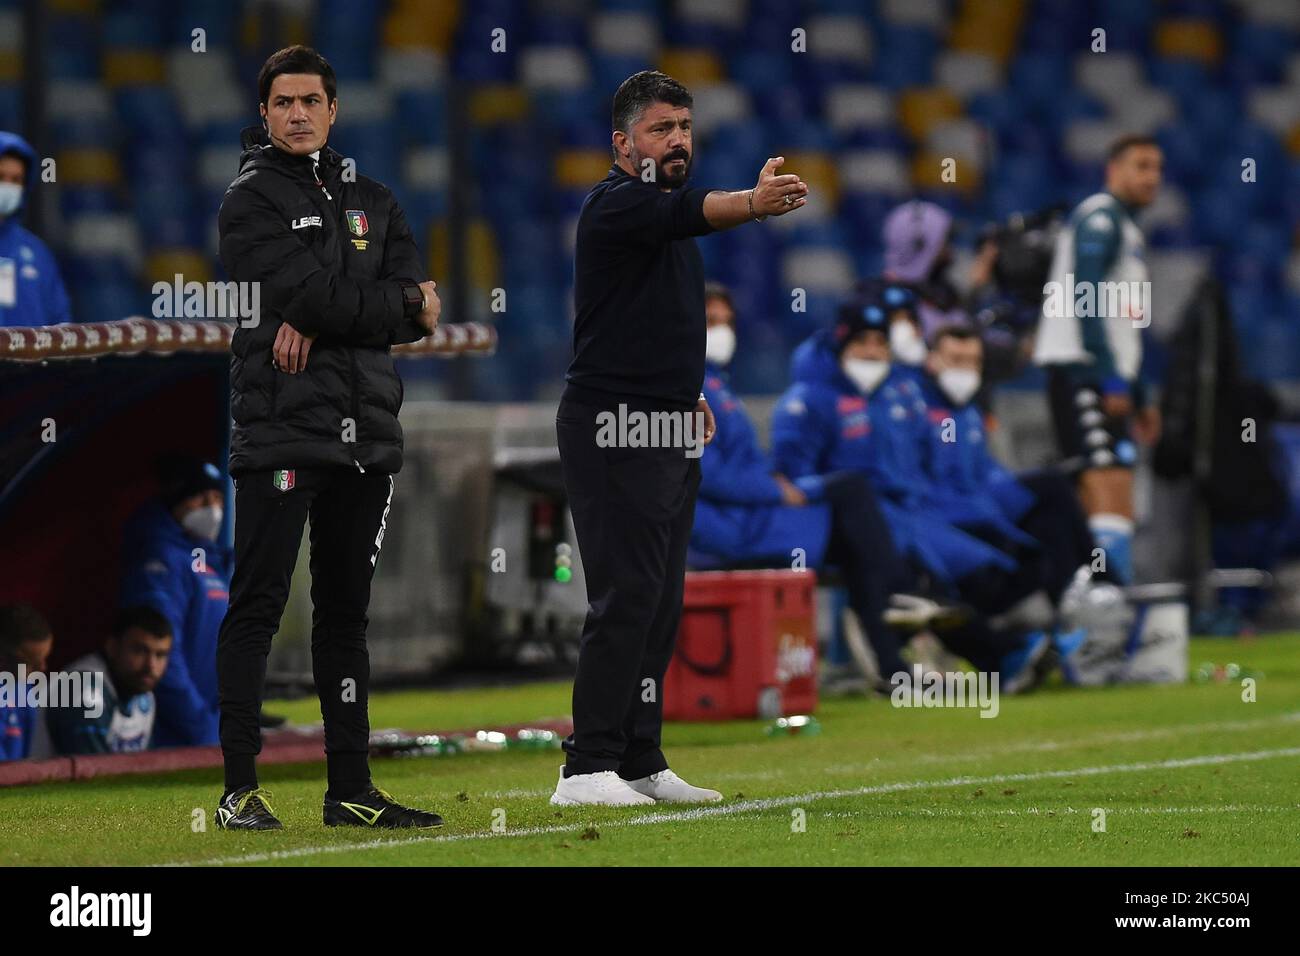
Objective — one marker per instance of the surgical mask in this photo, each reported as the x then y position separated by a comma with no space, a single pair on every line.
959,384
906,343
866,374
11,197
720,344
204,522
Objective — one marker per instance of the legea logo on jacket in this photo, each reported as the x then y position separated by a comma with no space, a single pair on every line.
305,221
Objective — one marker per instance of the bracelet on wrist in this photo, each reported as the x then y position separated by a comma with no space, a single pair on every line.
749,198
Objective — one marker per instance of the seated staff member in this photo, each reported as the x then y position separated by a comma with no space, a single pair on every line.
132,662
747,511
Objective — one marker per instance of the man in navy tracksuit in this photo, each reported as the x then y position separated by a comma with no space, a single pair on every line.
747,511
638,340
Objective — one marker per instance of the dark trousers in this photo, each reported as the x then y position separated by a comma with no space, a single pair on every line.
863,547
632,510
1058,524
348,512
1057,521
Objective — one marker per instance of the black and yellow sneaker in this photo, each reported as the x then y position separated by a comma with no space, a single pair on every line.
376,808
248,808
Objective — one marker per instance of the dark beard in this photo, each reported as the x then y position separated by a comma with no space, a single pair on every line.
672,181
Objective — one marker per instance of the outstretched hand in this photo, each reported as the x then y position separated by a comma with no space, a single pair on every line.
776,195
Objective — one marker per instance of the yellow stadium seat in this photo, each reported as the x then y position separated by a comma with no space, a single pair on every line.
499,103
1293,140
692,67
922,107
11,67
928,173
89,166
294,29
134,68
417,23
250,30
990,27
816,169
480,251
190,264
1189,39
86,7
582,168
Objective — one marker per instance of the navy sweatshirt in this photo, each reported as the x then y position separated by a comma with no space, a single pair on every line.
638,334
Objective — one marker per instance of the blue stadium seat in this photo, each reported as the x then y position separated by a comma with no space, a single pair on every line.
11,106
135,29
904,57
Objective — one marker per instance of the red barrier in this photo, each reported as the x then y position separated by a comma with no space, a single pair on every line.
747,647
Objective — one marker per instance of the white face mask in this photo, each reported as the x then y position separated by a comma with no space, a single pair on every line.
204,522
720,344
905,343
866,374
11,197
959,384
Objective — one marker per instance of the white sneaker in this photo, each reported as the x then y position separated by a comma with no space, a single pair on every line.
606,788
666,787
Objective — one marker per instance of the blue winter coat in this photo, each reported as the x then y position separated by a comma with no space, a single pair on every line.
740,515
159,565
38,294
823,423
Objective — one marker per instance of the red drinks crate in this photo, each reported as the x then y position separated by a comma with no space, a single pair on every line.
747,647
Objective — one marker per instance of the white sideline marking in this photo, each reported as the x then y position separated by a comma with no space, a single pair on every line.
766,803
1051,746
1049,811
1033,746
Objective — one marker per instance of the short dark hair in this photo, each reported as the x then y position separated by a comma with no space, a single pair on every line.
962,333
716,290
1126,142
641,90
20,623
143,617
296,59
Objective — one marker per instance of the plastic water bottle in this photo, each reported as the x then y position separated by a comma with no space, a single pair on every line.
801,725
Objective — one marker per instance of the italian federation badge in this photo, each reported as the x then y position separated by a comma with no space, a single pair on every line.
357,224
283,480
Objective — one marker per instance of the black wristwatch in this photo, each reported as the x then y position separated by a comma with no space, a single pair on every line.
412,298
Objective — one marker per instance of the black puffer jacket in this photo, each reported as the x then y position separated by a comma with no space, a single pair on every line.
333,267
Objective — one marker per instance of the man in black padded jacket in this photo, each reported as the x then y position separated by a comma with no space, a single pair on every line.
314,397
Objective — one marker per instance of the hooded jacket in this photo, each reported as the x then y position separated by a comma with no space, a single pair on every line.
37,295
331,258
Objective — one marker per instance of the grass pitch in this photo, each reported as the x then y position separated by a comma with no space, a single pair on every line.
1186,775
